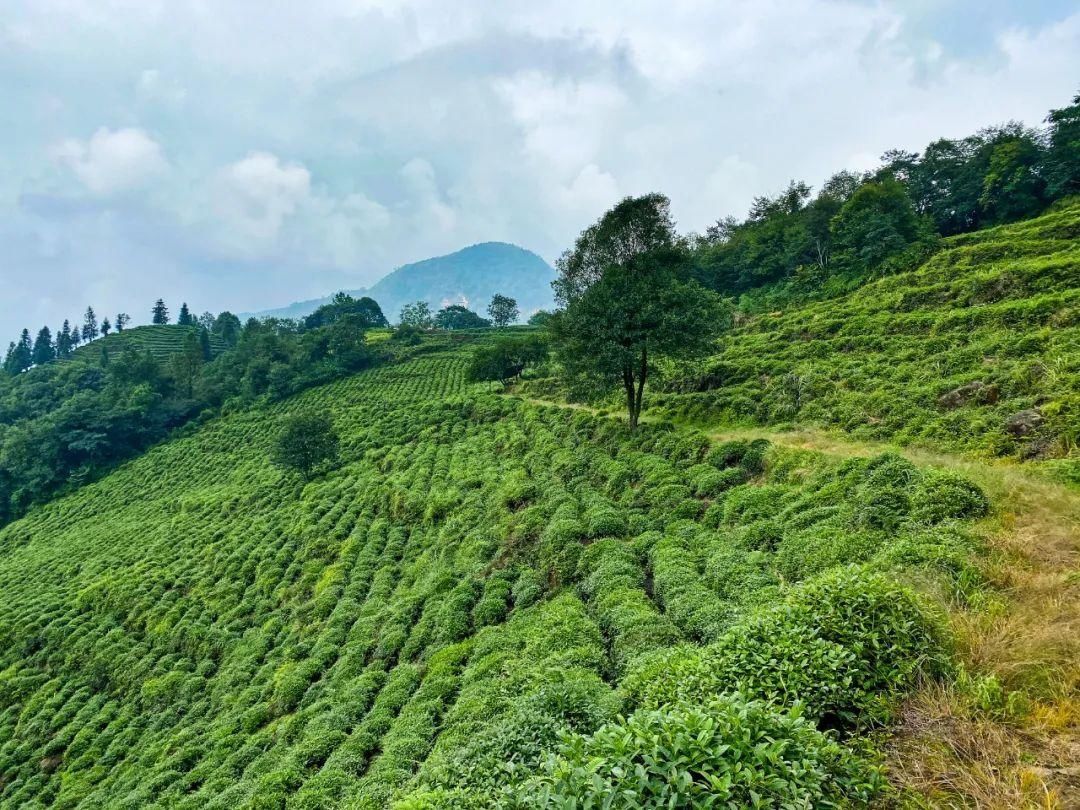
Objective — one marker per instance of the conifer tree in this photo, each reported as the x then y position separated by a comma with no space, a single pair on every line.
20,355
106,327
63,340
76,338
184,318
43,350
160,313
90,325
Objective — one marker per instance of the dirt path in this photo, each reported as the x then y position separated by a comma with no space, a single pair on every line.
1027,636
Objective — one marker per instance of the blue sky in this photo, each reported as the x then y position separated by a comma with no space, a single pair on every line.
240,155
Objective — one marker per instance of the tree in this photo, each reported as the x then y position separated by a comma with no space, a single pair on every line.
20,355
106,327
160,313
43,350
876,223
1013,186
638,311
206,321
539,318
184,318
416,314
204,344
75,338
1063,150
185,364
635,226
342,305
502,310
307,441
506,358
63,340
227,327
122,319
456,316
90,326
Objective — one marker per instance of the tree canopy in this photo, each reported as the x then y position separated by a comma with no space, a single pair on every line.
502,310
307,442
456,316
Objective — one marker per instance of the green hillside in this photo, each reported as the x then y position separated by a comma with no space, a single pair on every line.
978,350
161,341
478,576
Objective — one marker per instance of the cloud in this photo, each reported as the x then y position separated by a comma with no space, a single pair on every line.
255,195
113,161
316,146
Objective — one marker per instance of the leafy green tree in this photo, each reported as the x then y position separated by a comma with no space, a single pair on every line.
366,309
539,318
185,318
635,226
206,321
90,325
159,314
106,327
635,314
1063,150
204,344
1013,186
307,442
456,316
502,310
185,364
416,314
122,319
506,358
876,223
43,350
227,327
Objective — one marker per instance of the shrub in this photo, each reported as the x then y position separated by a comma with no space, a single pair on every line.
727,752
944,495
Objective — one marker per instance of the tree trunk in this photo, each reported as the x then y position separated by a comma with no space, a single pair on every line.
628,384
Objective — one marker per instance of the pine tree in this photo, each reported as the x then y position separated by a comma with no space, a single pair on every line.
22,354
43,350
184,318
160,313
63,340
106,327
90,326
76,339
9,359
122,319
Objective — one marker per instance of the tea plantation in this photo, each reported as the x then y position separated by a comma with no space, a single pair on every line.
486,603
977,350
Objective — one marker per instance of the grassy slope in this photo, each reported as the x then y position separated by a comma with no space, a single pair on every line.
161,341
1000,307
194,630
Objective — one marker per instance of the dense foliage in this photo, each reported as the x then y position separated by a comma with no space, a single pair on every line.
457,613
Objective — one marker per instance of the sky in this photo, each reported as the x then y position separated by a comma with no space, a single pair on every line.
240,155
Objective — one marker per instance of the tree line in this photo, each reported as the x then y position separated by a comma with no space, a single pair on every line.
633,293
63,424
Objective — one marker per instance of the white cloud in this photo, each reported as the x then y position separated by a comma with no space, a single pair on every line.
113,161
255,195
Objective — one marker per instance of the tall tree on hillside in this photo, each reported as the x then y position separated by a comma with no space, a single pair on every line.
159,315
184,318
185,364
204,344
640,308
206,320
20,355
122,319
90,325
1063,150
227,327
307,442
76,338
416,314
502,310
876,223
456,316
635,226
106,327
63,340
43,350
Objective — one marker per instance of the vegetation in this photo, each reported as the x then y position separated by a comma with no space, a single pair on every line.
307,442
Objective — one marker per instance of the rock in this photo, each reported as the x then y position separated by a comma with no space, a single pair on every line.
1024,423
977,391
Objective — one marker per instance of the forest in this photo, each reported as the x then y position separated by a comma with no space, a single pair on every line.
778,515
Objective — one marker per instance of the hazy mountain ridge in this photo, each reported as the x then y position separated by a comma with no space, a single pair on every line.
469,276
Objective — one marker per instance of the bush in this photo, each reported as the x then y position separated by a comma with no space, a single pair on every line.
727,752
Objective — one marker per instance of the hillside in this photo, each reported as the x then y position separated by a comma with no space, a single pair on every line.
160,341
470,276
478,574
976,350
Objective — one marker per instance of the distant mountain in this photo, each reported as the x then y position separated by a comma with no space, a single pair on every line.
469,277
